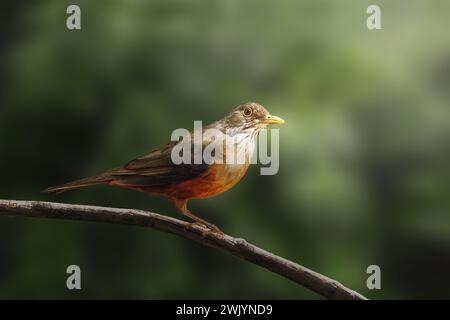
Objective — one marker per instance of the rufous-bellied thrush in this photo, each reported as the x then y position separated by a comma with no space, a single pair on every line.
156,173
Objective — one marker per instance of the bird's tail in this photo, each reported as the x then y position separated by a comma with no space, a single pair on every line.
86,182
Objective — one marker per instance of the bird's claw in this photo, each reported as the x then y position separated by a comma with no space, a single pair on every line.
210,228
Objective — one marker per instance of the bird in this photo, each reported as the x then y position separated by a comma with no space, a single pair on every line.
157,173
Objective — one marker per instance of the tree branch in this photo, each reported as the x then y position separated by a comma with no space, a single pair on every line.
312,280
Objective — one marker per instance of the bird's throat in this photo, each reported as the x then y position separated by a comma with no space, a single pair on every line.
242,145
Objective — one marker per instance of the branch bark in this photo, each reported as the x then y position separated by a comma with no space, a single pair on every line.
322,285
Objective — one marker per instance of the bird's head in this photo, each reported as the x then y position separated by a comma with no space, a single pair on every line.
250,116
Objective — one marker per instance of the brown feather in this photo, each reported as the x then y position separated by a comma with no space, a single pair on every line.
86,182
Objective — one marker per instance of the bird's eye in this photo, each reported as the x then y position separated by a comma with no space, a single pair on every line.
247,112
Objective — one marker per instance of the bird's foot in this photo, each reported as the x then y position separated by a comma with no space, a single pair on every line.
211,228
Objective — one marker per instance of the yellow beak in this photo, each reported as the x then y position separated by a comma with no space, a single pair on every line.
269,119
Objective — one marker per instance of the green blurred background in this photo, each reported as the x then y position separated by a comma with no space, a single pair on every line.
364,157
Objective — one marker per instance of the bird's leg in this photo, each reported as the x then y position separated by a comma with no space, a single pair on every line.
181,205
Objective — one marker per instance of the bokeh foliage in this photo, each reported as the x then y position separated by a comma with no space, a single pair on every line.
364,175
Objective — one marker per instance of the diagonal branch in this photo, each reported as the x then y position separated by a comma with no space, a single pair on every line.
312,280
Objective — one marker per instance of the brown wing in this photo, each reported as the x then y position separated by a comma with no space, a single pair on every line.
156,168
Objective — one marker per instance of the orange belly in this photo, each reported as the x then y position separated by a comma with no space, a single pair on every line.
216,179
